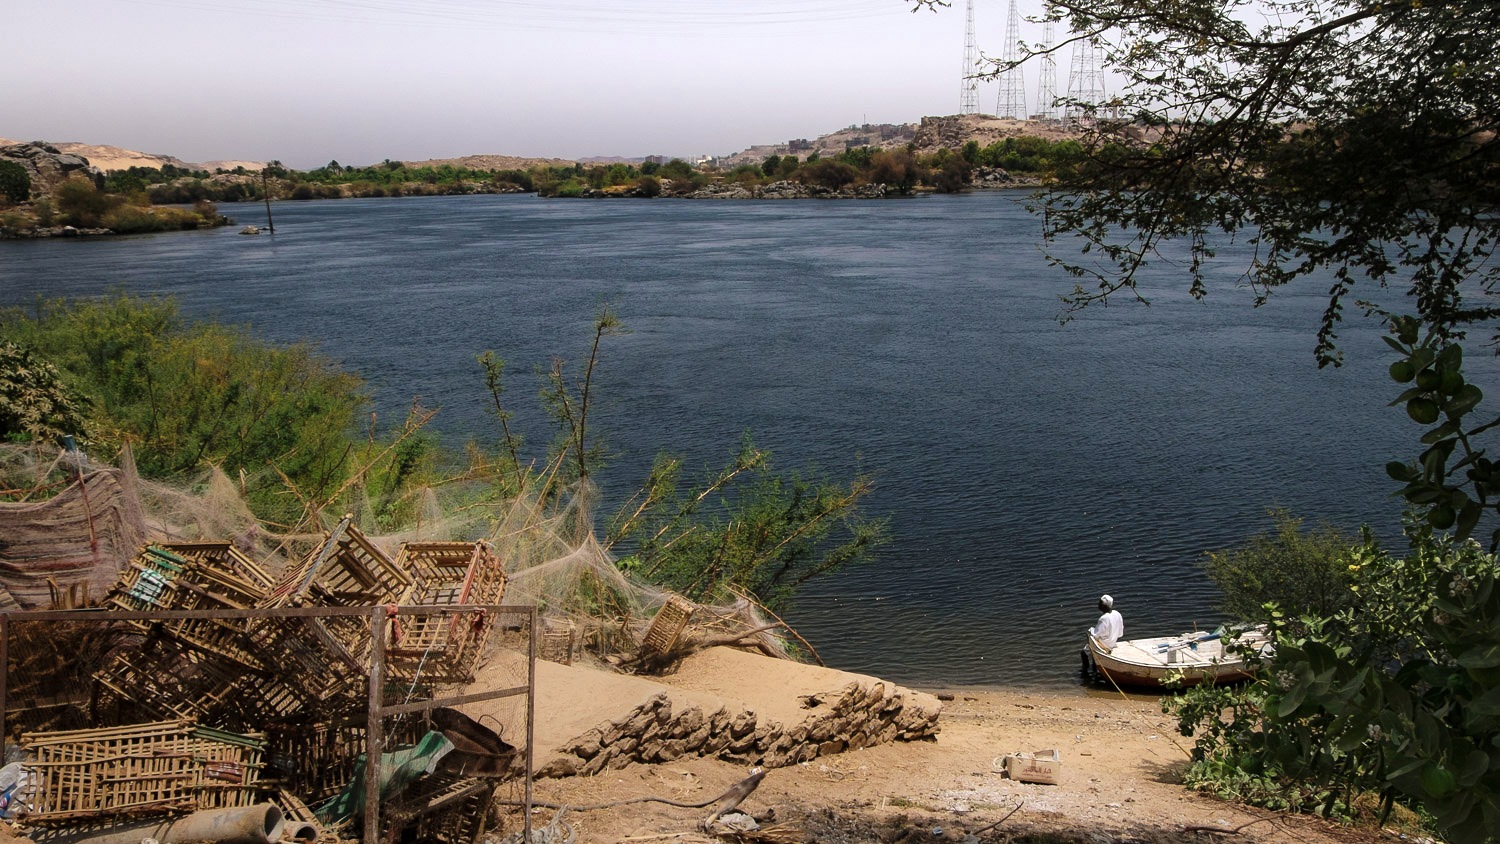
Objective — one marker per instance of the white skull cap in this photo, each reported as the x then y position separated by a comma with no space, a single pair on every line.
1107,601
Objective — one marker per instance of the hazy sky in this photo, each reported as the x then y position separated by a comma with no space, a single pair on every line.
306,81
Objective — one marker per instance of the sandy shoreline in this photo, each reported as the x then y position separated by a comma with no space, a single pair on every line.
1121,761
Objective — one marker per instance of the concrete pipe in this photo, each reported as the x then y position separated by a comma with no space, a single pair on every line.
297,831
259,824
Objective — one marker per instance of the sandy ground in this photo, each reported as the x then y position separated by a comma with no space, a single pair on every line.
1121,760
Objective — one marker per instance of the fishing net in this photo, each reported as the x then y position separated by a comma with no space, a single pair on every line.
70,523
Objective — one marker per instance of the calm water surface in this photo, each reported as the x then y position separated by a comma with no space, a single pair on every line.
1027,465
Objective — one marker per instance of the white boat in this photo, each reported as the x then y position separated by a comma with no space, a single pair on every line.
1179,661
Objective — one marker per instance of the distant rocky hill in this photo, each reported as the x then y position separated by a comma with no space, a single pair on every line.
106,158
929,136
492,162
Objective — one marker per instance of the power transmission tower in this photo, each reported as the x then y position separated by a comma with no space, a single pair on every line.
1046,100
1085,82
968,100
1012,99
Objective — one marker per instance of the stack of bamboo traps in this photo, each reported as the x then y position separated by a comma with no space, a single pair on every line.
330,655
221,712
161,679
195,576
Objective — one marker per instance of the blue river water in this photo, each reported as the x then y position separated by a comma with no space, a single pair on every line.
1027,465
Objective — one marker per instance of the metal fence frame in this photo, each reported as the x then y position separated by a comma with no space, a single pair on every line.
376,710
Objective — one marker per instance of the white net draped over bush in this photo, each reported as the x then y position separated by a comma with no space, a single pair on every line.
73,518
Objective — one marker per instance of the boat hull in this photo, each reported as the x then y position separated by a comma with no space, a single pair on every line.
1171,662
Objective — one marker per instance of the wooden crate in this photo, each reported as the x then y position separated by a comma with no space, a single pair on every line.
444,808
227,563
195,576
218,577
668,625
139,769
161,678
164,679
263,699
444,649
227,769
148,583
331,655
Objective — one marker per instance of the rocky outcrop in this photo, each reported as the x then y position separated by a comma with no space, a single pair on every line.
46,166
788,190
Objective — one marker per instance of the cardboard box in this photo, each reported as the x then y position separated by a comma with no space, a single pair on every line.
1043,766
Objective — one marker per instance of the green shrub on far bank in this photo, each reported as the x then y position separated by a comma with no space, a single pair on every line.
1295,568
900,170
83,205
133,219
15,182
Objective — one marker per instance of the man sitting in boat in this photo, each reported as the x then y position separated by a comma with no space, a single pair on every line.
1110,627
1106,631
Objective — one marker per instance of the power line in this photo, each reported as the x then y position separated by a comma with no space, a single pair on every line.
642,16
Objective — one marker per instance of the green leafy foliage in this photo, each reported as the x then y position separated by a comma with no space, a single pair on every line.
15,182
1289,567
185,393
827,173
82,204
34,401
1454,481
1394,694
953,175
744,527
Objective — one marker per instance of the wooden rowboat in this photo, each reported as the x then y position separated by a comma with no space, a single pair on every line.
1191,657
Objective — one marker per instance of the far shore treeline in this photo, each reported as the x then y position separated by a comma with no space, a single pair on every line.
126,201
900,170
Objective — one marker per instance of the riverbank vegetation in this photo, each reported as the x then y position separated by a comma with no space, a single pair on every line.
1347,145
79,203
295,432
901,171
